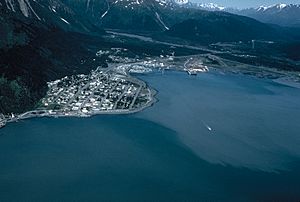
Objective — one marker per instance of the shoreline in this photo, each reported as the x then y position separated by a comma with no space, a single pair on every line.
36,113
287,82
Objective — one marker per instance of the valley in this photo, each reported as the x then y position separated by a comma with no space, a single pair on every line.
113,89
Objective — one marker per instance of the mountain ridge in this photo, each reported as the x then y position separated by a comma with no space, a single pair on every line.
280,14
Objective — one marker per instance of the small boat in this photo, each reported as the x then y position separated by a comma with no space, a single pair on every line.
209,128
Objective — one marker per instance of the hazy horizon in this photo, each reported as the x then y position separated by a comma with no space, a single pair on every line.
246,4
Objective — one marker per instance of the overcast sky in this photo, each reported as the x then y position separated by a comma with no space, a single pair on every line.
246,3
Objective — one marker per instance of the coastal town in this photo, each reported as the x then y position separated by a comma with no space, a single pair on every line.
103,91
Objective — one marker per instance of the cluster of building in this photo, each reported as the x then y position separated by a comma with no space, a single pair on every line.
141,67
2,120
193,67
117,55
100,91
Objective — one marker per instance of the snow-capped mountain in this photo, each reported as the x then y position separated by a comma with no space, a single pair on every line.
202,6
277,7
208,6
280,14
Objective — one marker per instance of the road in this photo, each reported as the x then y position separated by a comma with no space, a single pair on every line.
135,97
149,39
120,97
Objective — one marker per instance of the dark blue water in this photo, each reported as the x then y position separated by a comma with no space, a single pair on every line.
166,152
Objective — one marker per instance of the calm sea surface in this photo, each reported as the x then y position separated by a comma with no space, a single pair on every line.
217,137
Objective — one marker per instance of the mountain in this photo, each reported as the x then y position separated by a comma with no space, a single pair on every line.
210,27
54,13
137,15
279,14
205,6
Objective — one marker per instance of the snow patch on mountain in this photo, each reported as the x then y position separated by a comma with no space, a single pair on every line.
181,2
202,6
64,20
262,8
275,6
104,14
32,10
23,5
53,9
10,5
281,6
162,2
160,20
129,3
88,4
211,6
24,8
